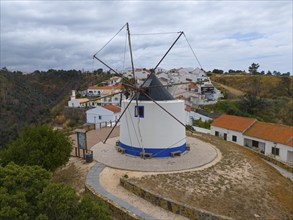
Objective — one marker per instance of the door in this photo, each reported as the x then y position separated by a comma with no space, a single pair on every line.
225,136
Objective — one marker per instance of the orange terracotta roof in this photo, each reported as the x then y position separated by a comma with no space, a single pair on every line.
112,108
235,123
278,133
83,100
117,86
192,86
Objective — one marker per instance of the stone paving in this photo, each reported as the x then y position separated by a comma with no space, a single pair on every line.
93,181
200,154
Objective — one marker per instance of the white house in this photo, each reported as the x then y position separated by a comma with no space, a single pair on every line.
231,128
107,113
76,103
273,140
103,90
198,72
114,80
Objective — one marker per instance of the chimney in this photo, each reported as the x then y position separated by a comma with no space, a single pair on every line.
73,95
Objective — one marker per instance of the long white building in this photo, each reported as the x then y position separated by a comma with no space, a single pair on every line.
274,140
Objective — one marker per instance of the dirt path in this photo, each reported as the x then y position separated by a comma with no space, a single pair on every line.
234,92
110,180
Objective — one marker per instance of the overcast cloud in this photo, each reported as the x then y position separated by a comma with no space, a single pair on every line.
40,35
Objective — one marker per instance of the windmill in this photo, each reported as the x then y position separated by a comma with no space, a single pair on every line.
152,120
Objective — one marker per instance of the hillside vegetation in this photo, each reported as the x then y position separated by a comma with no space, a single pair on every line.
267,98
272,87
33,98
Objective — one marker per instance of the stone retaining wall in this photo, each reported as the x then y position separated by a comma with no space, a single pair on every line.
172,206
116,210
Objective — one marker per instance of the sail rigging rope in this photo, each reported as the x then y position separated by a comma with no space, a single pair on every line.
110,40
192,50
125,45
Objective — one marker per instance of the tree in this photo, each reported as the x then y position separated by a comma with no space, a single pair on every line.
276,73
89,207
38,145
217,71
286,74
253,68
19,185
269,73
27,193
251,103
58,201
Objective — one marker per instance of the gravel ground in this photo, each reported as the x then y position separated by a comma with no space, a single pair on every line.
241,185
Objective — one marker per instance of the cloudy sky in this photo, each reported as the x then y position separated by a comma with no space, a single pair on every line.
40,35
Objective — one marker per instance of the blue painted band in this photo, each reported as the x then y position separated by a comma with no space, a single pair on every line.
156,152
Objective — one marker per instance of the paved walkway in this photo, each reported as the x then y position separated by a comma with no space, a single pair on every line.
284,172
94,181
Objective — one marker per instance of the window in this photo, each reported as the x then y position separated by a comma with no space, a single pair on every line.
234,138
255,143
100,117
139,111
275,151
217,133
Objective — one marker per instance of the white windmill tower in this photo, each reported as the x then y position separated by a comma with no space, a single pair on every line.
153,124
146,129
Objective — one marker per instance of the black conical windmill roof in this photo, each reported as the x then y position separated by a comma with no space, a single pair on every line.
155,89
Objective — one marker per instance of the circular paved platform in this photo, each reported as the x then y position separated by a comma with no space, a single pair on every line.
200,154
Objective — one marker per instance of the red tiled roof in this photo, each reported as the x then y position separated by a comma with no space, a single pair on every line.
278,133
192,86
235,123
112,108
82,100
117,86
